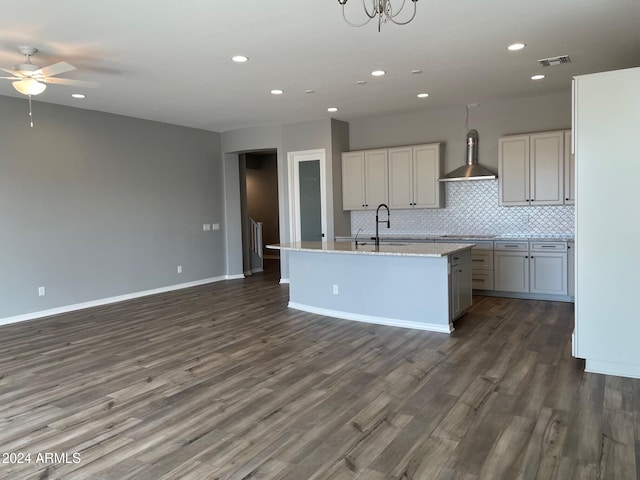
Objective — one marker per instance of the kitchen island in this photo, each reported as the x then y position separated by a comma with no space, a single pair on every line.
423,286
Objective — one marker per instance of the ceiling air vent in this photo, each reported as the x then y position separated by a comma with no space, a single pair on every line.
553,61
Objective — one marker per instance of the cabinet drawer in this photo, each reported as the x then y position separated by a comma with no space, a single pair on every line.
549,246
481,259
482,280
521,246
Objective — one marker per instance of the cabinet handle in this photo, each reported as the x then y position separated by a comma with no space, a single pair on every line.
511,246
547,246
477,260
566,199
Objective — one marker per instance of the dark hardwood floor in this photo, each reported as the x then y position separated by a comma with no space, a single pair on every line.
223,381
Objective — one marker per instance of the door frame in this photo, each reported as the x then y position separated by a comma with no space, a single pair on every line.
293,160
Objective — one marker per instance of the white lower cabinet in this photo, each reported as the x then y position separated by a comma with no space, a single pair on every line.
535,267
511,266
460,295
549,270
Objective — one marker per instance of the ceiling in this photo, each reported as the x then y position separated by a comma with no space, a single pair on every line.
171,61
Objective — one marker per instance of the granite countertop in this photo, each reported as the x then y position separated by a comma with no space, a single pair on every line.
368,248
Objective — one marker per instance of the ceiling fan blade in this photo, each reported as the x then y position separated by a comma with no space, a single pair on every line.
55,69
71,82
11,78
8,71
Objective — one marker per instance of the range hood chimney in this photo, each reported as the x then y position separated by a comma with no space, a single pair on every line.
472,170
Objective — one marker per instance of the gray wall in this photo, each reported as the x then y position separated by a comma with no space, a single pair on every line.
309,135
339,144
492,120
95,205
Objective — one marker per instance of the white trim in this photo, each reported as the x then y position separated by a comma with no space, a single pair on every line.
118,298
392,322
612,368
293,159
284,281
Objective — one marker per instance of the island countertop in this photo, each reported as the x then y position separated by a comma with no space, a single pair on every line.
368,248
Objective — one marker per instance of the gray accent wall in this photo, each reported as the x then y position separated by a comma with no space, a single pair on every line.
95,205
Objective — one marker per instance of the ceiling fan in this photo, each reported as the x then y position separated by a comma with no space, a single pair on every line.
30,79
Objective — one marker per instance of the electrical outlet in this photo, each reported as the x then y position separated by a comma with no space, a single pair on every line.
216,226
336,291
179,268
206,227
41,291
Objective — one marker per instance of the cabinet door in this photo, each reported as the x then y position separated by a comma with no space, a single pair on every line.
546,168
548,273
569,171
353,181
513,166
426,172
400,177
376,182
511,271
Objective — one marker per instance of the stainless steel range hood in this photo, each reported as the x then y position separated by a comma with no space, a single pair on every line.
472,170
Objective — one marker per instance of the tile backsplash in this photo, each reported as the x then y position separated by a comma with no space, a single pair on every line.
472,208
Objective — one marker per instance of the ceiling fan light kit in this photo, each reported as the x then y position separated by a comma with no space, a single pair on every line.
383,10
29,86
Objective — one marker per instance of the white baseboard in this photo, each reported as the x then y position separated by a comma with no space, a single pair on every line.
391,322
118,298
284,281
612,368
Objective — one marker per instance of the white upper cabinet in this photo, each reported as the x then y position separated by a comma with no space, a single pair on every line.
532,169
513,166
547,168
364,179
413,177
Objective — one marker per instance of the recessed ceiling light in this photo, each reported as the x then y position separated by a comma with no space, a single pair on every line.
361,82
423,95
277,91
516,46
416,72
537,77
78,95
309,91
239,58
332,109
378,73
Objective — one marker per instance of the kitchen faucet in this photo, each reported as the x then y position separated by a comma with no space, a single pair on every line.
377,237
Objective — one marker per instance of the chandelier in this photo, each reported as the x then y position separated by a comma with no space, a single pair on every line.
381,9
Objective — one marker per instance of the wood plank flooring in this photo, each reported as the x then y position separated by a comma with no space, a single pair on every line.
223,381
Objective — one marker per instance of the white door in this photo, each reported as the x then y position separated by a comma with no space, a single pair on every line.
307,194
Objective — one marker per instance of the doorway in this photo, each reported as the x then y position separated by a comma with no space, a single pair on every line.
259,177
